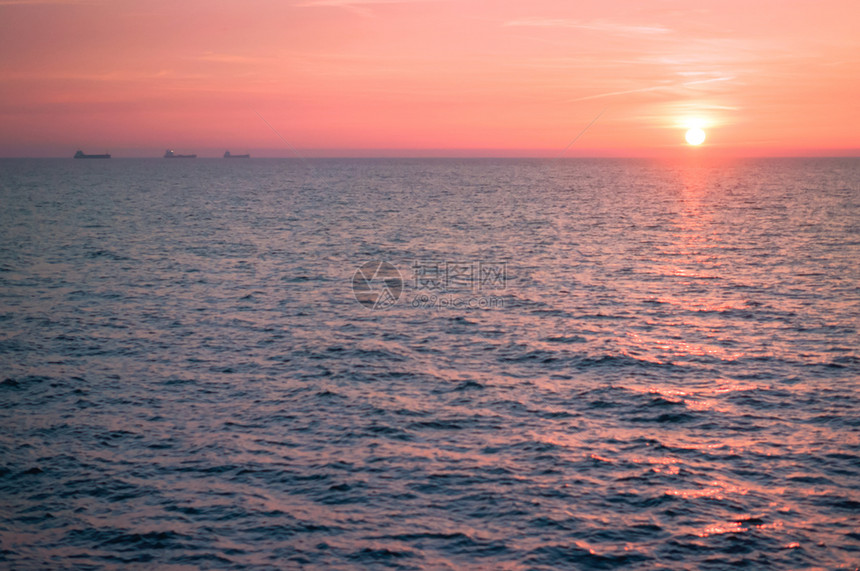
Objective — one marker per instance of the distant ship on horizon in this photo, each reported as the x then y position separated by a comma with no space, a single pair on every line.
169,154
83,155
227,155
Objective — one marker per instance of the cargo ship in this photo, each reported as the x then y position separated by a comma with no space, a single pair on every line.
227,155
83,155
169,154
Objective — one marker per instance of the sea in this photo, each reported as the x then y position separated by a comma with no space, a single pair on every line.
497,364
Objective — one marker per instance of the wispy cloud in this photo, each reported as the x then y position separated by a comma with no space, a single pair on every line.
40,2
595,26
351,3
711,80
667,87
360,7
229,58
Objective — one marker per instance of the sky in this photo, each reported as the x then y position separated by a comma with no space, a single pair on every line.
429,77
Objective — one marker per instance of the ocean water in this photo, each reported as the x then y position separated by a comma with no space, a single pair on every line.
562,364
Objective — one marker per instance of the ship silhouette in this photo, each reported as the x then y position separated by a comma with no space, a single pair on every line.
227,155
169,154
83,155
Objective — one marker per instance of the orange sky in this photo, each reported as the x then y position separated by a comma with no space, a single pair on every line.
483,77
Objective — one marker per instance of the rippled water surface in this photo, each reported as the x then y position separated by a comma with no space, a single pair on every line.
663,372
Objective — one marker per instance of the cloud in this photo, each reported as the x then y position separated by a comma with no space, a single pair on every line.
595,26
351,3
229,58
43,2
672,86
360,7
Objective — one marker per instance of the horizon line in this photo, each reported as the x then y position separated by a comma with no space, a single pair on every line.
681,152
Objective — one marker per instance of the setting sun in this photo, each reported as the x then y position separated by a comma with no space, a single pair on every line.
695,136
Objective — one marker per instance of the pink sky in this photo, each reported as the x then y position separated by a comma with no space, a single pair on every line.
363,77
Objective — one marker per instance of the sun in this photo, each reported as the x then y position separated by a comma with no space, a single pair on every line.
695,136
